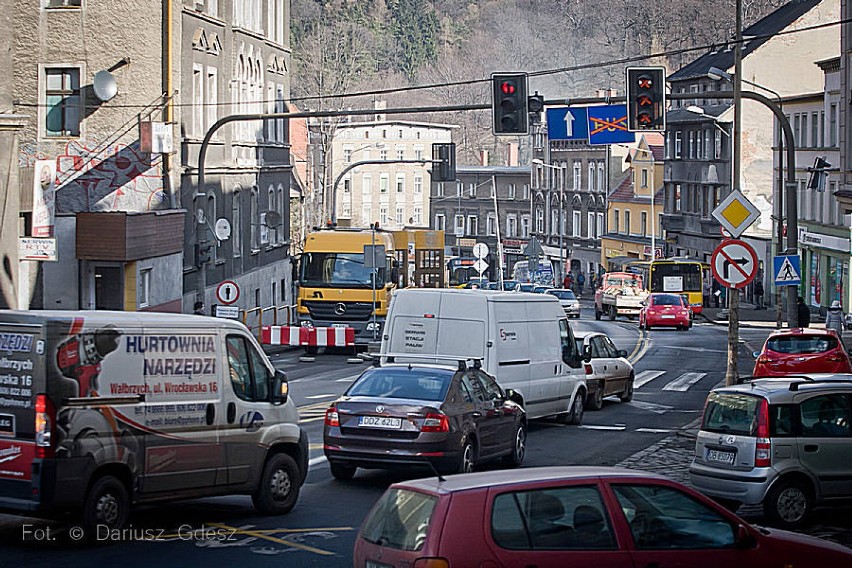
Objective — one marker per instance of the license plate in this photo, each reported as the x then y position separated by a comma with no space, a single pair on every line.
721,457
379,422
339,325
668,317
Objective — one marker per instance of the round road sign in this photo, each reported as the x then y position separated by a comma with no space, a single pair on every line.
480,250
734,263
227,292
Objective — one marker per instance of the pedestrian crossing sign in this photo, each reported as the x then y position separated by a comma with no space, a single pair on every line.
787,270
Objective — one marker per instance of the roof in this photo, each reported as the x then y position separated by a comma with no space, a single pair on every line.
625,193
761,32
510,477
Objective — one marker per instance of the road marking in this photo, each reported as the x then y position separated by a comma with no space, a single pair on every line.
315,396
595,427
641,347
683,382
317,460
261,534
651,407
655,430
646,377
699,349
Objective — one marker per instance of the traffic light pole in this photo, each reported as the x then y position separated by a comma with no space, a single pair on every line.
354,165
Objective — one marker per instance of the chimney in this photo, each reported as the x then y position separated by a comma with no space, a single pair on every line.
483,157
606,93
380,105
513,154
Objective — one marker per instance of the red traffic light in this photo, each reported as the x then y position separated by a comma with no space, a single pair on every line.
507,87
645,82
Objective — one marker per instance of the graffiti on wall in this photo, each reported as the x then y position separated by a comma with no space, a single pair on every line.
118,177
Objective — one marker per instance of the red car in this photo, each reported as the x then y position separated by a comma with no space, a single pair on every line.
801,351
665,310
570,517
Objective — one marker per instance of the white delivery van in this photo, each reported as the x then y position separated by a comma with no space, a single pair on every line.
99,410
524,340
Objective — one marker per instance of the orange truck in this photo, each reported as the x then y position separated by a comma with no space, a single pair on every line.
620,294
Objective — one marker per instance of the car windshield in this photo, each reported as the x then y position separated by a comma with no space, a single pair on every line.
802,343
403,382
730,413
563,294
527,287
667,300
509,285
400,520
621,281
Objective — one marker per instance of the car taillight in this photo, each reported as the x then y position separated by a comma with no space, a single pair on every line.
431,563
331,417
435,422
765,360
588,368
45,418
763,448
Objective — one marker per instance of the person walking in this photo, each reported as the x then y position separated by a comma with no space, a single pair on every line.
758,295
198,308
581,281
566,281
834,318
593,280
804,313
708,292
716,293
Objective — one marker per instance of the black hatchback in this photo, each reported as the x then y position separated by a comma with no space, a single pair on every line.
433,416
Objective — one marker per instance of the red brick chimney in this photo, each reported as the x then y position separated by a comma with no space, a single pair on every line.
512,154
483,157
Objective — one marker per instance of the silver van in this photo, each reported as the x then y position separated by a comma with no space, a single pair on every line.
785,443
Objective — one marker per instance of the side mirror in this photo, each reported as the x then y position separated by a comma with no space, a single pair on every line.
280,388
512,394
622,352
744,539
587,353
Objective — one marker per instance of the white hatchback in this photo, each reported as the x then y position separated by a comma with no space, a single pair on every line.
608,372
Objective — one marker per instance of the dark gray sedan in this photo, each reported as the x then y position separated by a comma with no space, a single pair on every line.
440,417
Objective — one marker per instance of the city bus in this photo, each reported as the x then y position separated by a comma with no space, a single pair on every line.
676,275
460,270
543,275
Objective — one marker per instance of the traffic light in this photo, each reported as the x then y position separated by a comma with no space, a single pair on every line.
203,254
509,103
819,172
646,98
444,162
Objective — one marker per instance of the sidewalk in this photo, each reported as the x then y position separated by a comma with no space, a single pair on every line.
749,316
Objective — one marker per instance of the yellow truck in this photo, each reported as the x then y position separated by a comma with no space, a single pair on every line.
335,282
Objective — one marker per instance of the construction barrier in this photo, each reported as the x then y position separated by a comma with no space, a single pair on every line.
308,336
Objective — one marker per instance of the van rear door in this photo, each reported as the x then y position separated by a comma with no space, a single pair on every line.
21,381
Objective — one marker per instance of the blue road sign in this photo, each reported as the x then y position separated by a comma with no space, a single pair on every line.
608,125
567,123
787,270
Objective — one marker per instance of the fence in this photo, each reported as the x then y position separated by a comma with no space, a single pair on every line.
256,318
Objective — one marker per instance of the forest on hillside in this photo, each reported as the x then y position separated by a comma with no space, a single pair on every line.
346,47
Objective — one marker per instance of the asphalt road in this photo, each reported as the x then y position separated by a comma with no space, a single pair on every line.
674,371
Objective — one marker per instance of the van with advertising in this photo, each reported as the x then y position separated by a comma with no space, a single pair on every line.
523,340
101,410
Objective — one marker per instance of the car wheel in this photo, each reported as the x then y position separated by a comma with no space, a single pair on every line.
107,505
788,503
627,395
279,486
342,472
467,460
576,415
595,400
519,448
597,313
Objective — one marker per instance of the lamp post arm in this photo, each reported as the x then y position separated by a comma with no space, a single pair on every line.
354,165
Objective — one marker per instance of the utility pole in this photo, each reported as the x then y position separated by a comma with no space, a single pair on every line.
731,373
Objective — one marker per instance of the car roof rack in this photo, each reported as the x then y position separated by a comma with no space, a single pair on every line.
462,361
751,378
811,381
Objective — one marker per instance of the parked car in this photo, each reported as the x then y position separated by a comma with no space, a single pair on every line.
564,517
784,443
662,309
801,351
405,414
847,321
526,287
688,306
477,282
510,286
608,372
568,300
542,289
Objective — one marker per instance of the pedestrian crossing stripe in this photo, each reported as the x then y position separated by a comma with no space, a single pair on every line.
682,383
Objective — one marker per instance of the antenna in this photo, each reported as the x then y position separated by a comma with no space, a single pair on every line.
104,85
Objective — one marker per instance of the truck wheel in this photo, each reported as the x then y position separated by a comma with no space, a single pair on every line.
279,486
342,472
597,313
595,400
612,313
576,415
107,504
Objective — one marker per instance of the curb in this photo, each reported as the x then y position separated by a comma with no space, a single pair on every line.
724,323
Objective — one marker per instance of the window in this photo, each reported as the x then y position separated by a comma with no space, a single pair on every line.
145,288
64,3
591,176
440,222
347,155
601,176
559,518
643,223
62,101
367,213
400,214
418,184
197,100
717,149
615,220
511,189
458,189
590,226
511,226
601,229
832,125
384,180
525,227
707,135
577,222
577,180
471,190
400,153
383,215
822,129
627,222
539,220
554,221
677,147
236,223
366,185
347,185
255,221
439,190
691,145
815,129
526,190
666,518
400,183
677,198
250,378
418,153
400,520
644,177
472,225
418,215
458,225
491,225
383,154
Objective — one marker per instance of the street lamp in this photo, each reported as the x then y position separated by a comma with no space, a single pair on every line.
561,182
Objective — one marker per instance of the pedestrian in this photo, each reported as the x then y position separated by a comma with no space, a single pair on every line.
804,313
758,294
198,308
593,280
566,280
708,293
834,318
581,281
716,292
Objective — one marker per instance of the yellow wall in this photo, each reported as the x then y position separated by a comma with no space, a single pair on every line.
130,287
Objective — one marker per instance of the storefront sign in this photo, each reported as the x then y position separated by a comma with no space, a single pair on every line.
823,241
466,242
37,249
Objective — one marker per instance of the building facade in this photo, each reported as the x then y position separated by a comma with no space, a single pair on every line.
118,131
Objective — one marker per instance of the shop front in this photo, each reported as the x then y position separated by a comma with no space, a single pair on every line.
825,269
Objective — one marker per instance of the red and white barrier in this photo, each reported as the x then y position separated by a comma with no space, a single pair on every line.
307,336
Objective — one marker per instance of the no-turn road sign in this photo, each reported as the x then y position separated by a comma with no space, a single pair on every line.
734,264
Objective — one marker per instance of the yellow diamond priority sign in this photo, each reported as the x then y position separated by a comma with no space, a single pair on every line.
736,213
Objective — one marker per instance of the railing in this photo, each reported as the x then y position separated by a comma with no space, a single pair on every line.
256,318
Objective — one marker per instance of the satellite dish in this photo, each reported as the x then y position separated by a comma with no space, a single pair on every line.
272,219
222,229
104,85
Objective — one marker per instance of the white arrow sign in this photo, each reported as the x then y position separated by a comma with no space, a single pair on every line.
569,124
